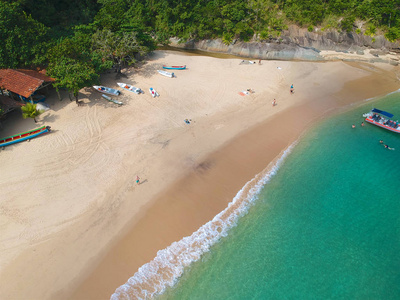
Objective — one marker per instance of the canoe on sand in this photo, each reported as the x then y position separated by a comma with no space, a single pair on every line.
130,88
111,99
106,90
174,67
27,135
165,73
154,93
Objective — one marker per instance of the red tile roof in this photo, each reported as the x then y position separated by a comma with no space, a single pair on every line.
22,82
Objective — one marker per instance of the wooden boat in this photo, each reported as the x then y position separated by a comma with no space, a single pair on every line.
154,93
106,90
174,67
130,88
382,119
27,135
165,73
111,99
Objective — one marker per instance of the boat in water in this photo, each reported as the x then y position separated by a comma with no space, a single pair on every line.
130,88
27,135
382,119
174,67
165,73
106,90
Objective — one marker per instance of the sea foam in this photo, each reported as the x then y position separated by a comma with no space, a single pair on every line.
166,268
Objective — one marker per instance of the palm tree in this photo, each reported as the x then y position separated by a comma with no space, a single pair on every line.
29,111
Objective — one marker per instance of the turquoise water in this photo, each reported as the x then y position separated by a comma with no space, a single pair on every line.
326,226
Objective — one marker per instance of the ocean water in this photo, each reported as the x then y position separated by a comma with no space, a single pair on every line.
323,224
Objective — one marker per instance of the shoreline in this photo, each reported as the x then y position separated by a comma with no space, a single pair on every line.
161,204
212,176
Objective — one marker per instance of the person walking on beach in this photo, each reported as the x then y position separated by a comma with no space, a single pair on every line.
137,180
274,102
292,89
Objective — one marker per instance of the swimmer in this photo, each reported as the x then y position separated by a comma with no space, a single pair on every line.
353,126
387,147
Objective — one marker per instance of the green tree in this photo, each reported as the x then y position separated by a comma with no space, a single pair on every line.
347,23
29,111
393,34
73,65
23,40
73,75
118,47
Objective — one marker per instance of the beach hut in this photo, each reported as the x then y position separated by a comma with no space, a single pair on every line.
22,84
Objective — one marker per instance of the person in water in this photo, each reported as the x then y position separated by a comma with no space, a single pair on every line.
353,126
387,147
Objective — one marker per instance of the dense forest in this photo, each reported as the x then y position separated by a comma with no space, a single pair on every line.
77,39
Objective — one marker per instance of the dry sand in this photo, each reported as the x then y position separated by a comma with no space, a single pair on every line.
73,222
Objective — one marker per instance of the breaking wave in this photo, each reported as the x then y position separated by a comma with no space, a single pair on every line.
164,270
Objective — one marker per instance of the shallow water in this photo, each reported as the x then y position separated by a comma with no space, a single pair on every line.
326,226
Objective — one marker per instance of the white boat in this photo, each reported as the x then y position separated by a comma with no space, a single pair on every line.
106,90
130,88
111,99
165,73
247,62
382,119
154,93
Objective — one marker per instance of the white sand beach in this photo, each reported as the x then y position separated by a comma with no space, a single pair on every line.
73,222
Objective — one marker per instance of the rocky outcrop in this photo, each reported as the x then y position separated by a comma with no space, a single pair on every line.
300,44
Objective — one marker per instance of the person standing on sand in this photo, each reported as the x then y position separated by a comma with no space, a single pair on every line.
274,102
137,180
292,89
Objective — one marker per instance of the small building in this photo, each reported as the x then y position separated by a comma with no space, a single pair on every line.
21,84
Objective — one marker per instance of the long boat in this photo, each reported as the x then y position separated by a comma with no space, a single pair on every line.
130,88
174,67
27,135
108,98
106,90
382,119
165,73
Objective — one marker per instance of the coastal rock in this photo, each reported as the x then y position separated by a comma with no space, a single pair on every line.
297,43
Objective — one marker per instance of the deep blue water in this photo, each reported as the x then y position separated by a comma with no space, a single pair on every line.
326,226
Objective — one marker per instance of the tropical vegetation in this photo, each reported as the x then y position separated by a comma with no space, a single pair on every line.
29,110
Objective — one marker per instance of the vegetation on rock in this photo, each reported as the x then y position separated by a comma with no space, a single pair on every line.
97,30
